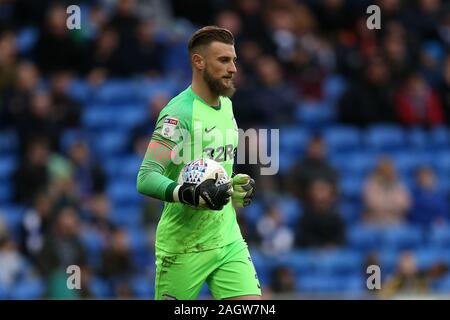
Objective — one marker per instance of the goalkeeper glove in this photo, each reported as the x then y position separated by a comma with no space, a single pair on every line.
243,190
204,195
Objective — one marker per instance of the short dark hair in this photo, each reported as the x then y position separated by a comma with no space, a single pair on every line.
206,35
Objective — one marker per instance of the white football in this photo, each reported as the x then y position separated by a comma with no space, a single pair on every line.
200,170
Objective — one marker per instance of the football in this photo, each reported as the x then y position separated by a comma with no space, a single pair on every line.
202,169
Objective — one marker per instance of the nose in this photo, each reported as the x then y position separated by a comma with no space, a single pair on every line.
232,68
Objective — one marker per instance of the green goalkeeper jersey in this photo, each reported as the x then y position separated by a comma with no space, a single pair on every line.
189,129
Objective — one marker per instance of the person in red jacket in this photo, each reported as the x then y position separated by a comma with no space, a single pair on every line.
418,104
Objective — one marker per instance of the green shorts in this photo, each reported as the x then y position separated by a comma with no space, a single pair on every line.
228,271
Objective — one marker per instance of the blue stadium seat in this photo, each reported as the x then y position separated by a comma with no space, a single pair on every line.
27,289
350,210
139,239
129,216
254,212
341,138
109,143
428,256
8,164
417,138
363,237
13,216
129,116
100,288
116,92
408,161
293,140
94,243
442,285
315,114
125,167
291,210
439,137
123,192
385,138
337,262
150,88
333,87
143,287
97,118
440,237
9,142
358,163
442,162
26,39
401,237
323,284
351,186
80,91
6,192
388,260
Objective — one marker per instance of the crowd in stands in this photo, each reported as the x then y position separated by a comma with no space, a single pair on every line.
364,119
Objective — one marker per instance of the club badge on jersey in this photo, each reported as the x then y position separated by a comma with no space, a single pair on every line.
169,127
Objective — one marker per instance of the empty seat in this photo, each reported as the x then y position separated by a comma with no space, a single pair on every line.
385,138
293,140
401,237
439,137
9,142
8,164
341,138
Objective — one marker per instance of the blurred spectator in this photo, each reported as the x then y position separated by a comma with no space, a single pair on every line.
320,226
276,238
418,104
12,264
313,167
65,110
445,88
149,53
89,176
99,209
275,100
429,204
385,196
103,56
39,119
15,100
397,52
370,100
32,174
116,265
8,60
283,280
55,49
125,19
408,279
62,247
36,225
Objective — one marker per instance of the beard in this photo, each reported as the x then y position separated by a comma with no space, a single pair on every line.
216,85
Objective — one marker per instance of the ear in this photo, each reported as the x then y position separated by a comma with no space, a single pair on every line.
198,61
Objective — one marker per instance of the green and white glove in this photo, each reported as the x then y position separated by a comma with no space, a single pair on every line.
243,190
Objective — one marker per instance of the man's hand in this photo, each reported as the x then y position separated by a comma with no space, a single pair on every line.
206,194
243,190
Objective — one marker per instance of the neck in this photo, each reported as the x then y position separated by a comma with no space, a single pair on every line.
201,89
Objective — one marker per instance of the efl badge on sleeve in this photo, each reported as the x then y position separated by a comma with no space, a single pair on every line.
169,126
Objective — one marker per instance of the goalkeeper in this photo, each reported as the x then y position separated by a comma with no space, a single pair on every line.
196,244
